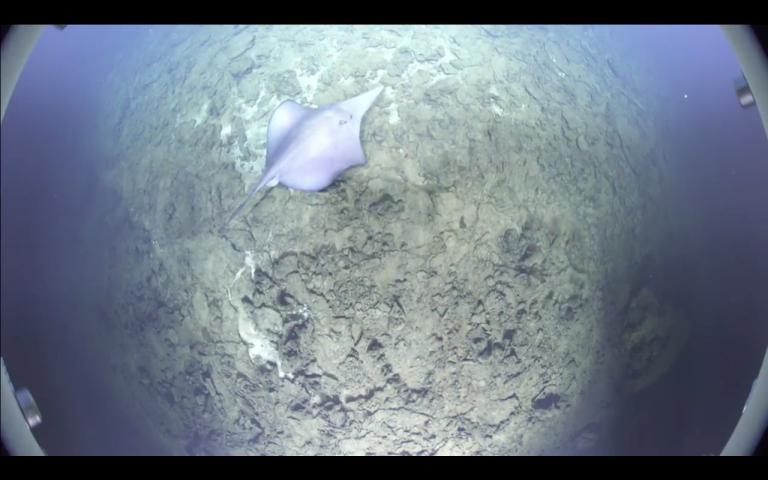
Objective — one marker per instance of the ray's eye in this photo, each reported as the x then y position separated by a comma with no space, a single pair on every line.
342,122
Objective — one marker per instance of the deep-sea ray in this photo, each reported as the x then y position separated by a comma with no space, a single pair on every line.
308,148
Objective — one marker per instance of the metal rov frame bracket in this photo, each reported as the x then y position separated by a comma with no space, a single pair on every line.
26,403
29,408
25,400
743,92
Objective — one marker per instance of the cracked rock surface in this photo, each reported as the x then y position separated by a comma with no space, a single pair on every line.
461,294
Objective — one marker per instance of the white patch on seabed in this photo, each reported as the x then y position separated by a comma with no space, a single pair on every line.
260,347
201,115
226,131
394,117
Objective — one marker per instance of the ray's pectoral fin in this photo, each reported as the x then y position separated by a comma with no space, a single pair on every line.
286,116
350,154
360,104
